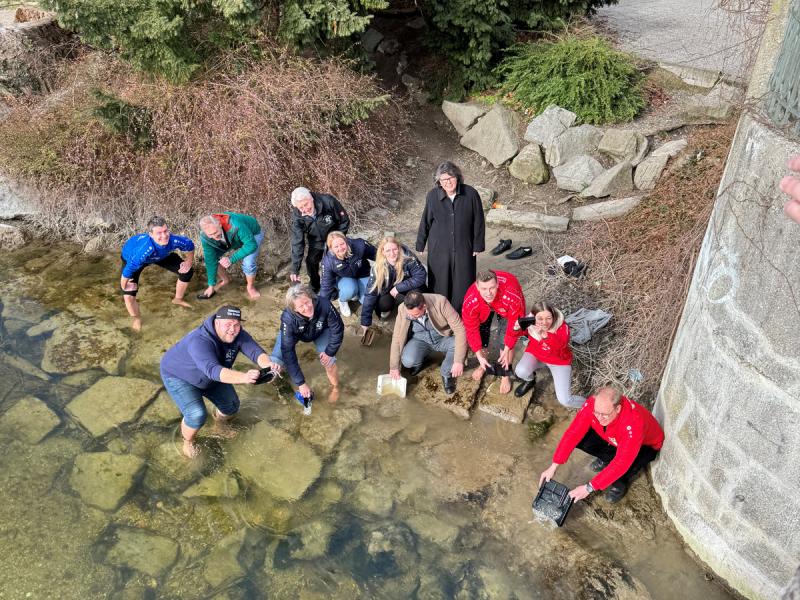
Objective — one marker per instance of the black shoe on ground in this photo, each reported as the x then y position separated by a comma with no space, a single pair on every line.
414,371
598,464
616,492
525,387
520,252
501,247
449,384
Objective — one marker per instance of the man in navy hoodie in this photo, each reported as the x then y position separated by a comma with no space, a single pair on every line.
200,365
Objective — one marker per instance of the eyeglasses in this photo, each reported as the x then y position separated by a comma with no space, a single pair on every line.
447,179
600,415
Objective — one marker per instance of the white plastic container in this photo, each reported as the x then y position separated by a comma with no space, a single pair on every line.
387,385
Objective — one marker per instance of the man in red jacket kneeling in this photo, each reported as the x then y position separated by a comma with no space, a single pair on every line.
622,436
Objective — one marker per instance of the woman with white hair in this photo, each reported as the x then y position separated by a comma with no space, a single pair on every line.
314,216
310,319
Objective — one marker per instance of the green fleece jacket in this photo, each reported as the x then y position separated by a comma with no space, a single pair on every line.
240,231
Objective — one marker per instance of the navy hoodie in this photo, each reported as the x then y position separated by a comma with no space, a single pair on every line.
414,278
355,266
296,328
200,356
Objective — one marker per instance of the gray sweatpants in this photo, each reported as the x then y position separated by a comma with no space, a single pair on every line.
562,378
417,348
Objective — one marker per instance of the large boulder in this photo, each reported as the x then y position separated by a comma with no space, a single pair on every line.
111,402
142,551
275,461
616,180
103,479
527,220
494,136
649,170
624,145
545,128
462,115
11,237
605,210
575,141
85,345
529,165
29,420
577,173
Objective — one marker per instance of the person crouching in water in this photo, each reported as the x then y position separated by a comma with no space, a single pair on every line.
548,346
396,272
308,318
345,266
200,365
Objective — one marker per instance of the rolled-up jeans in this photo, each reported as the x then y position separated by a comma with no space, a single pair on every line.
189,399
250,262
562,378
417,348
350,287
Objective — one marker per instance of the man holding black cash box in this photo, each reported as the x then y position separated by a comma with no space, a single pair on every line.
622,435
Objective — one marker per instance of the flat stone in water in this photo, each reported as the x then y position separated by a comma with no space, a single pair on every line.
23,365
222,566
168,468
314,538
324,429
162,411
85,345
217,485
142,551
111,402
429,390
433,529
463,470
273,460
50,324
29,420
373,497
507,407
103,479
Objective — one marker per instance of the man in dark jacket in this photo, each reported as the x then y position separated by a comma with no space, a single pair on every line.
307,318
201,364
453,228
314,216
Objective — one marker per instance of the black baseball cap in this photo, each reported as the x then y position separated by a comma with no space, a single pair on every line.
229,312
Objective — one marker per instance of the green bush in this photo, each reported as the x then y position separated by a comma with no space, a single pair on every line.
584,75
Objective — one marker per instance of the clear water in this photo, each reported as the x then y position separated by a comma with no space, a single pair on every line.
410,502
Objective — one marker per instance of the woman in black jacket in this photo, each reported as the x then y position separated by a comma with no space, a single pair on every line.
453,228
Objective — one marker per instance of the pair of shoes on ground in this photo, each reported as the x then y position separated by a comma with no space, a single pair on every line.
520,252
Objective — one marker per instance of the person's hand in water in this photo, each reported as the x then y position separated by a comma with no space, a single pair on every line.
791,185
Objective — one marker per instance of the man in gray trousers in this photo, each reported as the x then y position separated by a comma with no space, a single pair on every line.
428,323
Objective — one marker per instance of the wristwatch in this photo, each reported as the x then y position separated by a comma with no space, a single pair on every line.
589,488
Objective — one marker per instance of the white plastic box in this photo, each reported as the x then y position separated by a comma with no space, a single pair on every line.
387,385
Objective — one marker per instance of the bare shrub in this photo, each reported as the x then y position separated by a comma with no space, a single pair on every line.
240,139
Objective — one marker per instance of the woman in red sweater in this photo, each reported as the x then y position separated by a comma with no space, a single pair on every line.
548,346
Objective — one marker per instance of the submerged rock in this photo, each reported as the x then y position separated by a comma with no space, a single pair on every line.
275,461
85,345
111,402
433,529
223,565
373,498
324,429
507,407
23,365
314,537
103,479
29,420
142,551
463,471
163,411
392,557
494,136
217,485
50,324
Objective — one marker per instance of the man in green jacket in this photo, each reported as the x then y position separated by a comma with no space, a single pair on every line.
230,231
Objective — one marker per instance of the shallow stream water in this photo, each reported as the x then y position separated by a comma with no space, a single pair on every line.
370,497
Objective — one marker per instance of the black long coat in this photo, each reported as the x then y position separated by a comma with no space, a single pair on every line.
452,231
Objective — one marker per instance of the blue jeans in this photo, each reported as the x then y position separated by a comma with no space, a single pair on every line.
249,262
349,288
320,344
190,399
419,346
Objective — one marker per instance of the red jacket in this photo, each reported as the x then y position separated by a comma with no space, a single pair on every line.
509,303
554,349
633,427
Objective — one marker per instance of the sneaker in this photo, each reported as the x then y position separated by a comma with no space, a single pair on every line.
616,492
598,464
344,308
385,315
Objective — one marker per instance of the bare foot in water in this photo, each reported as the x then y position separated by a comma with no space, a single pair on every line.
190,449
253,293
334,395
222,428
505,385
136,324
478,373
181,302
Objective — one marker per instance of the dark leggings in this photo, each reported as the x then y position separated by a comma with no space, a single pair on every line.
171,263
596,446
494,341
386,303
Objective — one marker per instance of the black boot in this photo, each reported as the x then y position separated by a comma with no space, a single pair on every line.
449,384
414,371
525,387
616,491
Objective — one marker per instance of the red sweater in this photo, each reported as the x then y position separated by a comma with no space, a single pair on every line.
509,303
633,427
553,350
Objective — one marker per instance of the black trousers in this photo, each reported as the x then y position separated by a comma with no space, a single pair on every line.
313,258
596,446
493,338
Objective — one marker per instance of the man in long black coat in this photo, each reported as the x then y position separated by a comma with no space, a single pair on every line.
453,227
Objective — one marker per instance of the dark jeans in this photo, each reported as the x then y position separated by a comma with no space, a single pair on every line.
493,338
313,258
171,263
596,446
